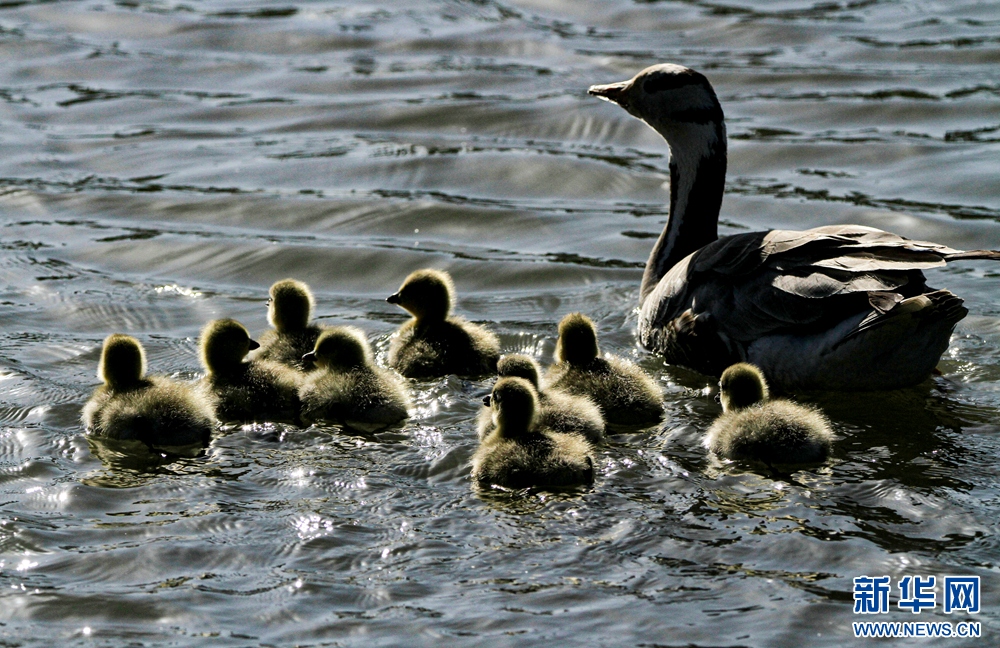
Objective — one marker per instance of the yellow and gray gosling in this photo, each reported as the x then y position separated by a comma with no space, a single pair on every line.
557,410
519,453
771,431
347,387
435,343
244,391
289,311
155,410
626,394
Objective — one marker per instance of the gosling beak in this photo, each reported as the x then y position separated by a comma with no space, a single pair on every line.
309,357
393,298
254,344
486,400
613,92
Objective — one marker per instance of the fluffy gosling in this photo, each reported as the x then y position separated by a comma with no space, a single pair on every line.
772,431
244,391
155,410
557,411
520,453
435,343
348,387
626,394
289,311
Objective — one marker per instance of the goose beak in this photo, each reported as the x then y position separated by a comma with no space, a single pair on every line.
613,92
393,298
309,357
254,344
486,400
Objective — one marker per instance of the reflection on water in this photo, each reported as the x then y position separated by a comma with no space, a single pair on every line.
165,162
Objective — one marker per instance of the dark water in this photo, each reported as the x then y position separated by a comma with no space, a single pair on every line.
164,162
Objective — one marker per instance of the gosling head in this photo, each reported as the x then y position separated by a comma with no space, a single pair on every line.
577,340
341,348
290,305
123,362
426,294
224,344
517,365
514,403
668,97
742,385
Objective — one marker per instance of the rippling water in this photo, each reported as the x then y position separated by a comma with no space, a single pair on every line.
165,161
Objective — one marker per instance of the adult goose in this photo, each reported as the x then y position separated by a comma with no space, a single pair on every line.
838,307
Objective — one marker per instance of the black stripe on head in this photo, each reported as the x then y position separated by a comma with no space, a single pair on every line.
661,81
706,115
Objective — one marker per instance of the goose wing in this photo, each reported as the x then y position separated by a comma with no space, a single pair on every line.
709,307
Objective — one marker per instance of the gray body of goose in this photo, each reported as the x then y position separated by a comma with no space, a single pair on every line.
837,307
347,387
771,431
520,453
289,311
155,410
625,393
557,411
435,343
245,390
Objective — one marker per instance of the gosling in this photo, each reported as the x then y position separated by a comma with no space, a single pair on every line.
557,411
771,431
245,391
435,343
520,453
155,410
289,310
347,387
626,394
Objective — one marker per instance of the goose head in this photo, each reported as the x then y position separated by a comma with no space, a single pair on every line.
123,362
742,385
671,98
517,365
577,343
290,305
427,294
514,403
224,344
342,348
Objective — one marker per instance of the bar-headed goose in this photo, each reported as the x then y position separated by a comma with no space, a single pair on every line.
837,307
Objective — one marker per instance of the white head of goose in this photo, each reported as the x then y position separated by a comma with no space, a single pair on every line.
290,305
838,307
